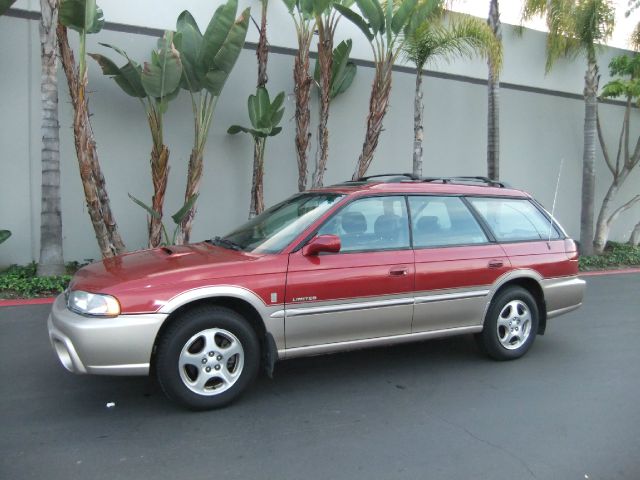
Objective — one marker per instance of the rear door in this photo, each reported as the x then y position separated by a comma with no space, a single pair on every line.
365,290
456,264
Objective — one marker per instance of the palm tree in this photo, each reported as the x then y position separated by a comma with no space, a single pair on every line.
51,260
305,24
386,26
578,27
154,86
265,117
493,117
207,60
85,17
465,36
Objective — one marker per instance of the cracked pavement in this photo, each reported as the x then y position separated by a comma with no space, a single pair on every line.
436,410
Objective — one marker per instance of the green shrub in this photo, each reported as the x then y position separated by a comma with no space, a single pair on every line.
615,255
21,281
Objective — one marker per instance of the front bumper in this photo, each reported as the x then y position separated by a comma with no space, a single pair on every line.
119,345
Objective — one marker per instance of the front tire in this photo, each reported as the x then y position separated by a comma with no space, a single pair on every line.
207,357
511,324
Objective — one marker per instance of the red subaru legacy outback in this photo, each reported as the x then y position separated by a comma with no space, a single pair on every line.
379,261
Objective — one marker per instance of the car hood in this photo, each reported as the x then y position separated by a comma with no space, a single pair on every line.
161,266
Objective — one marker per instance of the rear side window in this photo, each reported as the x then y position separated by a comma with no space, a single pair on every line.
442,222
513,220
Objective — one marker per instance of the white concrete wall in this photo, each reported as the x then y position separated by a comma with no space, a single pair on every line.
538,129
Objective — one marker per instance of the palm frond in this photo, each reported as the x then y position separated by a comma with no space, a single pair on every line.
575,26
463,37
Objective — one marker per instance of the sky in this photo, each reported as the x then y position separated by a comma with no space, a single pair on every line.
511,10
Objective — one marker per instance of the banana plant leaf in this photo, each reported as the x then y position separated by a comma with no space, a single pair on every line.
81,15
373,13
208,58
4,6
140,203
357,20
343,71
161,77
4,235
179,216
128,77
188,41
264,115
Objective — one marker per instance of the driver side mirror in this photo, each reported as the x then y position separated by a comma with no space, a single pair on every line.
322,243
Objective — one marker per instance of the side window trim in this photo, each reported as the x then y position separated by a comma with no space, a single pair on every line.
481,221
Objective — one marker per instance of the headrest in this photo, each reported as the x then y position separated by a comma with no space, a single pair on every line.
387,224
354,222
428,224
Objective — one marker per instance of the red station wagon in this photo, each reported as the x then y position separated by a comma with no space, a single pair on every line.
378,261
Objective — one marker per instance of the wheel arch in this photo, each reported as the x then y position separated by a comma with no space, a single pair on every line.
530,280
242,301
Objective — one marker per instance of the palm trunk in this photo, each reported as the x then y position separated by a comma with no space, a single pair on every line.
418,128
302,81
588,159
51,258
194,175
493,121
634,238
93,183
325,59
378,106
257,191
160,177
256,206
262,52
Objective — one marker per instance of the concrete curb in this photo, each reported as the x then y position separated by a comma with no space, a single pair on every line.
18,302
620,271
45,301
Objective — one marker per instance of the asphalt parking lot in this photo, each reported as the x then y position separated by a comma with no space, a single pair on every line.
433,410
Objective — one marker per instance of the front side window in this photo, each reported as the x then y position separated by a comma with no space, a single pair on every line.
513,220
374,223
442,222
275,228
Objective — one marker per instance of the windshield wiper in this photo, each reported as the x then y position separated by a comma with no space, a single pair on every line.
226,243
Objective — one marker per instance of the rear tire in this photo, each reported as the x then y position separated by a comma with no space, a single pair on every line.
510,326
207,358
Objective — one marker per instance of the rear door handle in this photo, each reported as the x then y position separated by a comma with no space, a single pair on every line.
496,264
398,271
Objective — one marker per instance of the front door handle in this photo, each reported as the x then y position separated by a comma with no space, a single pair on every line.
398,271
496,264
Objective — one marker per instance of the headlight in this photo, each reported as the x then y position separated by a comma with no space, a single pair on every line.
93,304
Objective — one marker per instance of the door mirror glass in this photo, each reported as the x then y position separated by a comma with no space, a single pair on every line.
322,243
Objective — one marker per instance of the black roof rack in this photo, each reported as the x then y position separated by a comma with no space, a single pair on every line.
485,180
392,177
410,177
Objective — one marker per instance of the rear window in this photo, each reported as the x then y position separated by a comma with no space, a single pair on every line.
513,220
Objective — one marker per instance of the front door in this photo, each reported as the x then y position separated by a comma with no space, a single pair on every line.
365,290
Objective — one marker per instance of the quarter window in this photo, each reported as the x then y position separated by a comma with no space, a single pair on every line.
513,220
373,223
443,221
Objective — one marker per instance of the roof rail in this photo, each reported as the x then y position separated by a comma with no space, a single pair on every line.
393,177
408,177
478,179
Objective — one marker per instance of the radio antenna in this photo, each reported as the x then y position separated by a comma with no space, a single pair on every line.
555,197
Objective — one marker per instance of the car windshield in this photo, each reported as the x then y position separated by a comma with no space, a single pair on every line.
278,226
